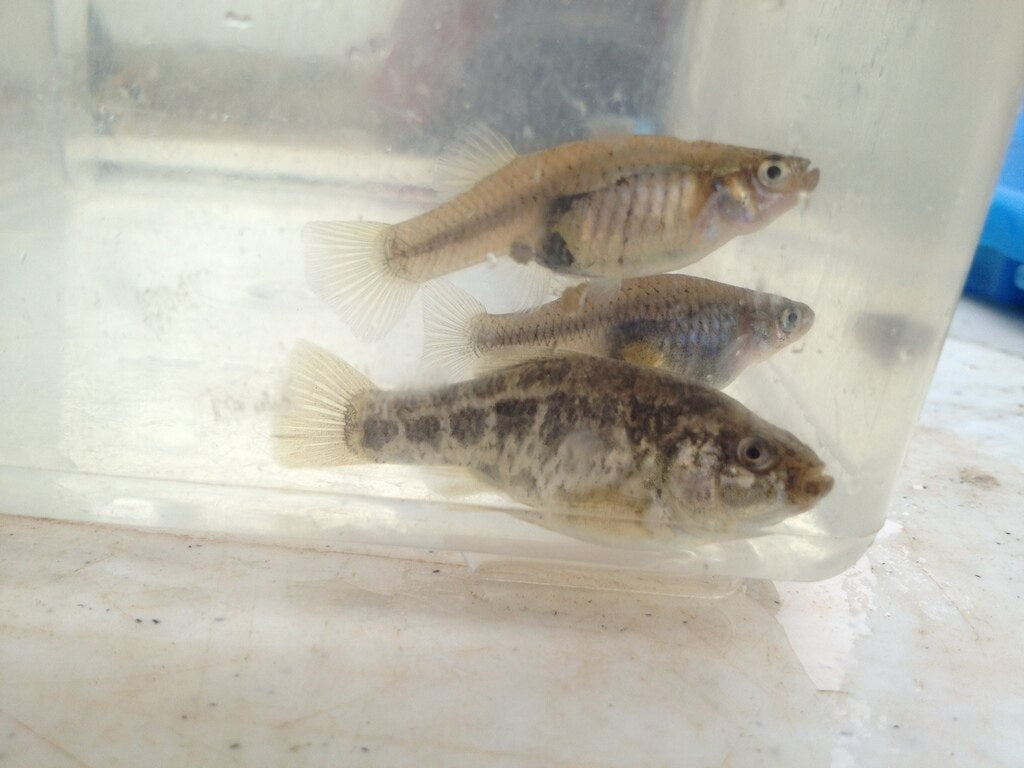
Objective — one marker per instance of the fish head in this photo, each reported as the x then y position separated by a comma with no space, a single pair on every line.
778,321
740,480
748,194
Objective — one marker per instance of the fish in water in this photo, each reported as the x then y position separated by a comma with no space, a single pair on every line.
700,330
596,448
617,206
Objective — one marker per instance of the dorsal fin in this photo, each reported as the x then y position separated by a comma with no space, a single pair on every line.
476,153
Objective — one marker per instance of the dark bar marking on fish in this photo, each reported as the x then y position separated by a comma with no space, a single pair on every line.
556,254
467,426
426,429
541,376
651,421
561,206
378,432
562,412
515,417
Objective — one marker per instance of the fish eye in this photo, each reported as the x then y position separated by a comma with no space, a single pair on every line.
773,172
790,319
755,453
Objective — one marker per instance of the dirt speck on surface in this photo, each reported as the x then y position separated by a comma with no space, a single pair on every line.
978,478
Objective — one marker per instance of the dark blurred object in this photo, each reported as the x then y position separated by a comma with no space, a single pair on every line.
536,71
997,273
892,339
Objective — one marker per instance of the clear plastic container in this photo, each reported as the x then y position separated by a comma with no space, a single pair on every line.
157,162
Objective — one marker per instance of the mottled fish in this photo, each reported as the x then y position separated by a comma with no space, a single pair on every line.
700,330
618,206
598,448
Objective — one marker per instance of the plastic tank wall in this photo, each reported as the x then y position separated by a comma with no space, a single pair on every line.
157,163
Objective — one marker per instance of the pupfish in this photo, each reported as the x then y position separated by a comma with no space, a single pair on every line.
698,329
597,449
617,206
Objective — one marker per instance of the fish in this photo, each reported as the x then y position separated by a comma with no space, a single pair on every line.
614,207
594,448
700,330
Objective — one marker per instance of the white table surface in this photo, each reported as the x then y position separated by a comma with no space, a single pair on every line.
121,647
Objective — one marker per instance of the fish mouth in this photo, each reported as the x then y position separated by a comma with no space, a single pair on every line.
806,177
808,319
810,177
814,485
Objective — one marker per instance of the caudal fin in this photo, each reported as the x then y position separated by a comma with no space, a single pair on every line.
448,315
451,322
310,428
347,266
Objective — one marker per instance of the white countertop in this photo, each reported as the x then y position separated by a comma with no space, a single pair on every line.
124,647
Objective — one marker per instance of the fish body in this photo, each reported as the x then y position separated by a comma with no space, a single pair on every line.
598,449
619,206
700,330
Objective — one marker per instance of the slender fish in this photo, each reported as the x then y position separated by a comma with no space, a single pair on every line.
698,329
598,449
618,206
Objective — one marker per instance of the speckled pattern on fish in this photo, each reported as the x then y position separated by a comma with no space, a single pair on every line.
600,448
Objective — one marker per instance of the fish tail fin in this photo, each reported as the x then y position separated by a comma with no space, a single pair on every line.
347,266
310,430
448,315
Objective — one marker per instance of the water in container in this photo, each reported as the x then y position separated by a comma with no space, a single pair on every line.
158,164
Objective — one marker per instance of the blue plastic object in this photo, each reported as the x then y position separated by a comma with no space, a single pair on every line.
997,272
